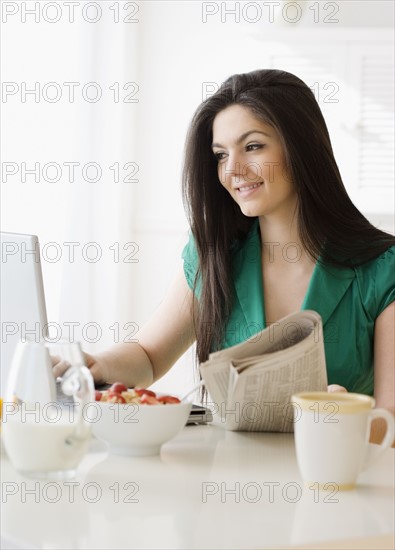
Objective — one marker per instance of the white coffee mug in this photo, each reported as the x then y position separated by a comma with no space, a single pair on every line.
332,436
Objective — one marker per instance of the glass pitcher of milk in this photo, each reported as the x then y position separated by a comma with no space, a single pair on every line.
45,428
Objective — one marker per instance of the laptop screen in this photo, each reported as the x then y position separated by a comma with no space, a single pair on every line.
22,302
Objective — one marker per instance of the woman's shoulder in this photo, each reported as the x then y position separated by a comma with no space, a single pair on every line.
376,280
383,264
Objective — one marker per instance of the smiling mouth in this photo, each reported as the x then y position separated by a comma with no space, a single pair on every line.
249,187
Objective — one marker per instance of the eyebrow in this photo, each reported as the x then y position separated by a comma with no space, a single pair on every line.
243,137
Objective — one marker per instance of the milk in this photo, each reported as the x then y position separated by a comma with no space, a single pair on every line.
43,446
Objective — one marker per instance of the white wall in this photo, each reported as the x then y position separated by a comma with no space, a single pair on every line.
172,53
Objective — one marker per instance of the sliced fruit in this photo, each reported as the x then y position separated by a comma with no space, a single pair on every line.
118,387
98,395
167,399
115,397
142,391
148,400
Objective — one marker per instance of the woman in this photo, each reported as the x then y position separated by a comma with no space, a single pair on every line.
273,231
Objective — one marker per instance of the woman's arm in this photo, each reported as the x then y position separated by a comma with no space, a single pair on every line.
161,341
384,368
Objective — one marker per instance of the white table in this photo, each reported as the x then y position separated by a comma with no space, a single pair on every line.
208,489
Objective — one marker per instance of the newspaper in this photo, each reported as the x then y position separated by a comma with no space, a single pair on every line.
251,384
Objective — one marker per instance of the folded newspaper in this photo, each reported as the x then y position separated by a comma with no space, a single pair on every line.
251,384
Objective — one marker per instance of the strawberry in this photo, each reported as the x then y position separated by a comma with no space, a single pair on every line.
118,387
168,399
98,395
142,391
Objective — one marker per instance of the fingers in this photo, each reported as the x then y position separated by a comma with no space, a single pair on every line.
89,360
59,366
94,368
336,388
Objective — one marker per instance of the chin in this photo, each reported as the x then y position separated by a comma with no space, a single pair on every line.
251,212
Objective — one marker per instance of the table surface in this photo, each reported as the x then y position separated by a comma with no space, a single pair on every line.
209,488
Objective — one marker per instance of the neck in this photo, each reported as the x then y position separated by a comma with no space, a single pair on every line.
280,239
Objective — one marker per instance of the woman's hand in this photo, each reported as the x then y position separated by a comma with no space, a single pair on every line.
96,365
336,387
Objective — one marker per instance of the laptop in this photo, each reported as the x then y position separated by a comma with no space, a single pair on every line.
23,309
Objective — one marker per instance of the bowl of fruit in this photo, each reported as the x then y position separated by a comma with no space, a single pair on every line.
136,422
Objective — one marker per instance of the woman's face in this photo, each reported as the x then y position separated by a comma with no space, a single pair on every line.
251,163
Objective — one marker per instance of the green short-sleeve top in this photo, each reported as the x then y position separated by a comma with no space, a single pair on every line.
349,301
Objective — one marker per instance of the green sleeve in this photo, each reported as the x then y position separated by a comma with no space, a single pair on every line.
191,264
385,280
376,281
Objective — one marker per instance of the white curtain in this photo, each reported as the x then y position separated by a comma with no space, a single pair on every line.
83,224
96,291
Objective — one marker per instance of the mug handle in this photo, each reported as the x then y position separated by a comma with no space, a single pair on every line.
375,451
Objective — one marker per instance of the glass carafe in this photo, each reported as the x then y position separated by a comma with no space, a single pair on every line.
46,430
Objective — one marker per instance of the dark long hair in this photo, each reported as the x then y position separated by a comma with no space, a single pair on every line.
329,224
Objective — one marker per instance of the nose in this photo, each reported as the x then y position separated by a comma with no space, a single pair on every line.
231,169
237,169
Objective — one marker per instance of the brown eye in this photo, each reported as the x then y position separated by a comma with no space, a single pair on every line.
254,146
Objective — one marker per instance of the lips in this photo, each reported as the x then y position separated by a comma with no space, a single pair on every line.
249,187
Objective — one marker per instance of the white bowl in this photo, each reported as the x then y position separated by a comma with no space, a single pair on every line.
138,430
